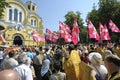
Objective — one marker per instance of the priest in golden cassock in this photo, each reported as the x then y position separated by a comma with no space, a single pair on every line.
73,66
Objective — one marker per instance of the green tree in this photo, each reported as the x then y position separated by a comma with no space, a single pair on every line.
3,5
70,16
107,9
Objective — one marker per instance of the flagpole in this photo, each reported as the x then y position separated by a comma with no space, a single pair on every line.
88,33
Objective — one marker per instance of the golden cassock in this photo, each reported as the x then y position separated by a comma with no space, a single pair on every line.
75,69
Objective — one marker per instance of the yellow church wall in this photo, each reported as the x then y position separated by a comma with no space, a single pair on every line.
17,3
26,34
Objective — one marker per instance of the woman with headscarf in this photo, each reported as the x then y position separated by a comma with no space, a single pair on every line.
45,72
96,62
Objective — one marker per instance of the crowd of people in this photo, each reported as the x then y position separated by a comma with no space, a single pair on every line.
66,62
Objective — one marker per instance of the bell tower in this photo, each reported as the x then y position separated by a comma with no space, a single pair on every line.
31,6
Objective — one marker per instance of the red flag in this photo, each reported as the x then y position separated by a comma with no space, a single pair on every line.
52,36
75,32
2,38
104,34
65,26
55,37
113,27
101,31
107,36
67,38
48,35
64,32
37,37
92,32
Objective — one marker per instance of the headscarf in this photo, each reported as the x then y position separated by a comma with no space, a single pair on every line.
95,58
96,61
45,67
108,52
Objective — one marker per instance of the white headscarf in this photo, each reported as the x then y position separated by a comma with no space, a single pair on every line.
107,52
45,67
96,60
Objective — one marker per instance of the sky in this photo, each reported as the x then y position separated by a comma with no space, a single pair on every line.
53,11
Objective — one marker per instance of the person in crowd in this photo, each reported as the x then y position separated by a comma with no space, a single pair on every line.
117,49
1,58
23,69
9,75
58,75
96,61
29,53
112,63
71,65
11,62
85,58
48,56
45,70
37,63
1,55
58,55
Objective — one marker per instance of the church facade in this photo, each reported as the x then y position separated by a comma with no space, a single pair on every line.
20,20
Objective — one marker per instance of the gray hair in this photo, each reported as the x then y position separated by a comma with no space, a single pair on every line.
22,58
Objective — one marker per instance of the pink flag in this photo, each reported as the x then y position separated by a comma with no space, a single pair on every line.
92,31
75,32
67,38
64,32
2,38
107,36
52,36
65,26
37,37
48,35
104,34
113,27
55,37
101,31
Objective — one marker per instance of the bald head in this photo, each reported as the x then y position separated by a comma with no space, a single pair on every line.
9,75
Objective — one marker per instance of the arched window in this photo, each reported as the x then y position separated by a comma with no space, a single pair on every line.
20,17
10,14
15,15
32,22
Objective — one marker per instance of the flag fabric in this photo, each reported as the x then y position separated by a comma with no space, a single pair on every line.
64,31
2,38
48,35
113,27
52,36
37,37
92,32
55,37
107,36
75,32
67,38
101,28
65,26
104,34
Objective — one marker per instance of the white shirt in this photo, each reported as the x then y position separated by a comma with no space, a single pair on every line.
24,72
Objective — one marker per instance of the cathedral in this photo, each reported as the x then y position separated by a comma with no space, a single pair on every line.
19,21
